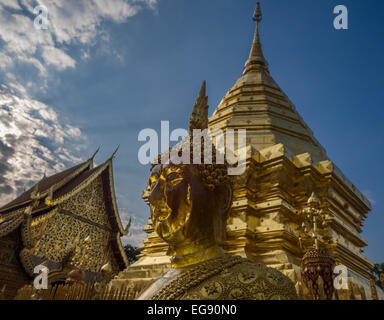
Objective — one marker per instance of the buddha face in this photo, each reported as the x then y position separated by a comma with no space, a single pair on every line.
181,206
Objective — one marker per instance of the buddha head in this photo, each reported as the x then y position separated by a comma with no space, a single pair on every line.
190,202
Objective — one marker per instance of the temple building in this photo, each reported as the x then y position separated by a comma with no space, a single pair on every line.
285,166
45,225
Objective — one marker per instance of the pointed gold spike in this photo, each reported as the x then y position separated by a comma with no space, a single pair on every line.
256,60
114,153
257,16
199,116
94,154
203,89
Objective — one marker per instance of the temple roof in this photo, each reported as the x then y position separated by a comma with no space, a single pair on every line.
59,187
44,196
55,181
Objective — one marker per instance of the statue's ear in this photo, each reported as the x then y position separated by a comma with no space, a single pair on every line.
224,197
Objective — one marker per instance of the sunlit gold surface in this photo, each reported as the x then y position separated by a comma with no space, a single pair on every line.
190,212
285,164
178,201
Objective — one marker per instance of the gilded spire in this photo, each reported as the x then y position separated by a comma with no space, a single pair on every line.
199,116
256,60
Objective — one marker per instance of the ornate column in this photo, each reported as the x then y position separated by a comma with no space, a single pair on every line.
317,262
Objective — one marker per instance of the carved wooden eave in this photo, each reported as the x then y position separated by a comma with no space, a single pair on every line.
119,252
25,256
11,222
123,231
106,172
72,173
74,181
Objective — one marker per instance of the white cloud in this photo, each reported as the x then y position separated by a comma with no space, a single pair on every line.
32,141
58,58
11,4
71,22
5,61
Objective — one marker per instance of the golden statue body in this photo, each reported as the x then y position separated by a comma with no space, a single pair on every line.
189,206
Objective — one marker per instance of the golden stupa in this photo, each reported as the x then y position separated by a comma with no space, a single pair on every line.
288,179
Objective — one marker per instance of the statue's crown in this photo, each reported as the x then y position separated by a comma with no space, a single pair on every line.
213,174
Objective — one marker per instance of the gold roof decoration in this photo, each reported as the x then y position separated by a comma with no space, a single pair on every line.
314,223
48,199
199,116
81,252
256,60
106,268
313,200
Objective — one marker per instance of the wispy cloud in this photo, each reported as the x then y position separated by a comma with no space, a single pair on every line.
70,22
33,138
32,142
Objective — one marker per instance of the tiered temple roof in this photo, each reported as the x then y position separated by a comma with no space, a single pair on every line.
52,195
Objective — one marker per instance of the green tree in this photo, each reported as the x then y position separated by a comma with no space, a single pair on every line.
377,271
131,252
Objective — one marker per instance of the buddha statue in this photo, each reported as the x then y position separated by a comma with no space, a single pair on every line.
189,205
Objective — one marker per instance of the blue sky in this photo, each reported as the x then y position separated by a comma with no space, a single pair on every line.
105,70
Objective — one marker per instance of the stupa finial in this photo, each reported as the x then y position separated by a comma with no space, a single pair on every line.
257,16
256,60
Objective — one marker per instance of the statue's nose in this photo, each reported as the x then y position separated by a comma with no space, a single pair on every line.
156,194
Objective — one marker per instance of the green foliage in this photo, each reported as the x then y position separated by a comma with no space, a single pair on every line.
131,252
377,271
